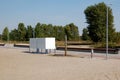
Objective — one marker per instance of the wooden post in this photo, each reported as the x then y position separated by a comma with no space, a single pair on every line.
92,53
65,45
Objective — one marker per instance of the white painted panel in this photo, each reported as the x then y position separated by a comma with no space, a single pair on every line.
50,43
40,43
32,43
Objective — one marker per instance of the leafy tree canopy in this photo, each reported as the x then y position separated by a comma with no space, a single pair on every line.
96,19
5,34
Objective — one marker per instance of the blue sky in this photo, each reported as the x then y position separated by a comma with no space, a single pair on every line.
56,12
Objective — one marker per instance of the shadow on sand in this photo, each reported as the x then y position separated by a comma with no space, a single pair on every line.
34,52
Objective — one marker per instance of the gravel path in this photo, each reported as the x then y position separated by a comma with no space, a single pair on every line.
18,64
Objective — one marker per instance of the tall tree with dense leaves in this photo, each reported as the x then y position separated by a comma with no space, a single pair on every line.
85,35
55,28
14,36
48,30
72,32
29,33
96,19
0,37
116,37
22,31
39,30
5,34
59,33
45,30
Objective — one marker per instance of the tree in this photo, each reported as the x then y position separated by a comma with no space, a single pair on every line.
5,34
55,34
48,30
39,30
21,31
0,37
85,35
72,32
14,35
116,37
96,19
59,32
29,33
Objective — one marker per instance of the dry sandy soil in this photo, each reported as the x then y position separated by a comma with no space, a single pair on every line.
17,64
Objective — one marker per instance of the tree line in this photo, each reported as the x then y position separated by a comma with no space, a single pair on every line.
22,33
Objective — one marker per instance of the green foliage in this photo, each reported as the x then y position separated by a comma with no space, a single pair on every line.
48,29
0,37
72,32
43,30
5,34
85,35
39,30
96,18
116,37
21,32
59,33
29,32
14,35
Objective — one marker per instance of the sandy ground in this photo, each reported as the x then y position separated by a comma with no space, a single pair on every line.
17,64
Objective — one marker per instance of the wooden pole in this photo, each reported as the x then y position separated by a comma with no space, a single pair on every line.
65,45
92,51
